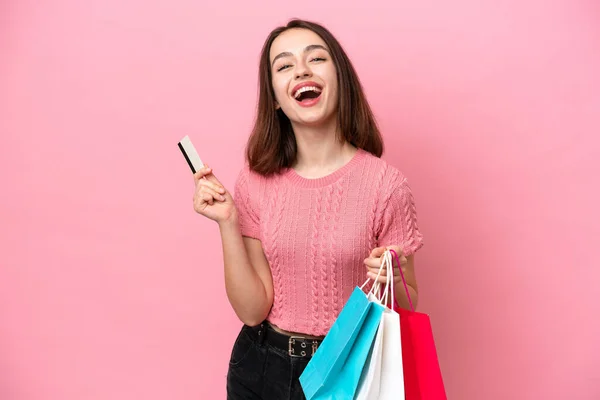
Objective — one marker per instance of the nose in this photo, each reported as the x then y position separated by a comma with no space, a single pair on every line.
302,70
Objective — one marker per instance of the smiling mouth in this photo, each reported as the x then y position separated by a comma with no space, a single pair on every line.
307,93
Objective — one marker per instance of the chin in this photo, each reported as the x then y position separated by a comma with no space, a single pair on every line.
313,123
313,118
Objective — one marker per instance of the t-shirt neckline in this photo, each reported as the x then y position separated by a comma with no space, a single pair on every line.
301,181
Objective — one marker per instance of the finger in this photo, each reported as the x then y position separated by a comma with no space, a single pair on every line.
215,187
373,262
398,275
376,271
207,198
212,193
377,252
380,279
211,176
397,249
202,172
402,259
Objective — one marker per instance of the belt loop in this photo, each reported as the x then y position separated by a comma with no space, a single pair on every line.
262,332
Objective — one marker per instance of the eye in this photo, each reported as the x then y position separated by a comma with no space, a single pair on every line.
281,68
317,59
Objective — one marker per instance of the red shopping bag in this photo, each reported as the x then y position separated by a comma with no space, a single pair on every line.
422,374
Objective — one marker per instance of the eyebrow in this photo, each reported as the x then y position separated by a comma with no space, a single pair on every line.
308,48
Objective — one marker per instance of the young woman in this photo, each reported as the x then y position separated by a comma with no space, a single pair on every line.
314,209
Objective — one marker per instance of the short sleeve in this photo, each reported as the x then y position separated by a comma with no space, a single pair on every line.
398,221
245,202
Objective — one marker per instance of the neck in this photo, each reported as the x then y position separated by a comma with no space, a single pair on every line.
320,150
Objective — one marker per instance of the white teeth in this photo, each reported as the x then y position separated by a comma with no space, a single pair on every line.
306,89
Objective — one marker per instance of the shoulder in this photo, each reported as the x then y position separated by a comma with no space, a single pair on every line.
249,177
246,177
244,182
388,177
245,174
253,184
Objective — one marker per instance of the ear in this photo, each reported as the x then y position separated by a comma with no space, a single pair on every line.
277,106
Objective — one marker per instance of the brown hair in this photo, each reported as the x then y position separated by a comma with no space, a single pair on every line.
272,145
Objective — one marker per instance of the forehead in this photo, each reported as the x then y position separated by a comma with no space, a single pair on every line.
294,41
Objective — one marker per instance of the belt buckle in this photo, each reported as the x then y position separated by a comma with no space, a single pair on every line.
303,345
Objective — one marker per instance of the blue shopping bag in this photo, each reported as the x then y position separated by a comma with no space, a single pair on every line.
335,369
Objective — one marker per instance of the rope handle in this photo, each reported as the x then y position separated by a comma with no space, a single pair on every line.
388,264
403,280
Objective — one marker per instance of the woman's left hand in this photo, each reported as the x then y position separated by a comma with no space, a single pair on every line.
373,263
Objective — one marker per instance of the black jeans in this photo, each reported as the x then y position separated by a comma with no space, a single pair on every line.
259,371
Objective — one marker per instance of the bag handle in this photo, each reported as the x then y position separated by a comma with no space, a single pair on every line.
375,284
388,265
403,279
389,279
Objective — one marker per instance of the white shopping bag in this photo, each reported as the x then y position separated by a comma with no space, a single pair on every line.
383,375
391,385
368,386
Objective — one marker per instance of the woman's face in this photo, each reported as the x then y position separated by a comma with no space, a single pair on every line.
304,77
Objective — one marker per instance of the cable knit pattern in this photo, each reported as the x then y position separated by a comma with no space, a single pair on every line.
398,221
314,235
372,219
275,213
249,221
337,197
317,232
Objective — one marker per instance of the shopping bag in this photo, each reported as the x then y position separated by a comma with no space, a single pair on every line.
392,368
344,384
387,381
349,333
368,385
422,374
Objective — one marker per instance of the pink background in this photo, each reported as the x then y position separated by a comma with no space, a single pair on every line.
111,287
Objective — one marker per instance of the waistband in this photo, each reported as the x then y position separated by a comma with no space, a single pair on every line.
296,346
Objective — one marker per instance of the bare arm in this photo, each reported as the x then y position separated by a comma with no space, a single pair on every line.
408,269
248,280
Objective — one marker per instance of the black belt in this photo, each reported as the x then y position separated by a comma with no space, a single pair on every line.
295,345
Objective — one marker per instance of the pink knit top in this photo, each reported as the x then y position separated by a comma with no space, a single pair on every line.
316,233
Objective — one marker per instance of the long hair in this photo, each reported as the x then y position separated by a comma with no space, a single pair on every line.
272,144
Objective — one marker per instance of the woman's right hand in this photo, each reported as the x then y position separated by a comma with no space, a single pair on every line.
211,199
